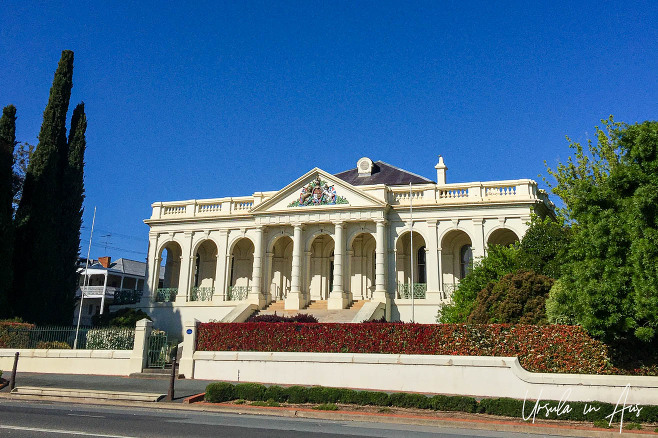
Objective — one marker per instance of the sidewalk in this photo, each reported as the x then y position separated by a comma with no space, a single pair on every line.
187,388
183,388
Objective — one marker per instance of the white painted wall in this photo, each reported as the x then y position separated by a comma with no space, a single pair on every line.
104,362
459,375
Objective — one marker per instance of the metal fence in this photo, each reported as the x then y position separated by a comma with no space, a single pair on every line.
110,338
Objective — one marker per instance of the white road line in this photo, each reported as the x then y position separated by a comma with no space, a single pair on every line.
85,415
61,431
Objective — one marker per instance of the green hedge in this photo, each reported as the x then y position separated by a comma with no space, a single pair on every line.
507,407
220,392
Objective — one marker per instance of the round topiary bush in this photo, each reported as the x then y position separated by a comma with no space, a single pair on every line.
219,392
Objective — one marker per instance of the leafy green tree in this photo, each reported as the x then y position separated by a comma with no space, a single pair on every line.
539,251
38,284
72,197
543,246
610,195
517,298
22,153
7,143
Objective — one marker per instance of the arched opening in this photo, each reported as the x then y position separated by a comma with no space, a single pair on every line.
502,236
362,266
242,266
321,267
205,266
170,260
457,258
405,255
281,271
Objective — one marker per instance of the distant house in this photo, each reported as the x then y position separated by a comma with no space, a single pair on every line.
108,282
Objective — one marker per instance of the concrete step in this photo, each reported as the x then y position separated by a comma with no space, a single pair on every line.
86,393
315,305
356,305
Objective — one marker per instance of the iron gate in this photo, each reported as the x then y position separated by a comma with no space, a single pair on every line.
159,350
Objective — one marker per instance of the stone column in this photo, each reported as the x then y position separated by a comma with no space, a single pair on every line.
432,263
268,277
294,299
139,355
307,278
440,257
255,296
186,364
220,267
184,278
380,264
478,239
337,297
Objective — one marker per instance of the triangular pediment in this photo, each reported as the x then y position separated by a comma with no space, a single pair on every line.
317,190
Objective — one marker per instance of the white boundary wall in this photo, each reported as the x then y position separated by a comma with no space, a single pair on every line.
463,375
106,362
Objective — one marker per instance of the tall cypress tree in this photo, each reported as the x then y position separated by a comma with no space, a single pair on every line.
7,143
72,192
38,284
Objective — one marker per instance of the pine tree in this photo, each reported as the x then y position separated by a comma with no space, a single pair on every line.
38,286
72,193
7,143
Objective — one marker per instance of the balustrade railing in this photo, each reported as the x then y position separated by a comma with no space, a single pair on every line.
166,295
127,296
419,291
201,293
449,289
238,293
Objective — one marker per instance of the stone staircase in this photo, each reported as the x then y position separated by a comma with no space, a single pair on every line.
318,309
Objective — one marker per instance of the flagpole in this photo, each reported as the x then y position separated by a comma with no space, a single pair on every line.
411,251
85,282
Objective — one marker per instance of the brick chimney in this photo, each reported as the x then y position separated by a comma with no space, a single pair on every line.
105,261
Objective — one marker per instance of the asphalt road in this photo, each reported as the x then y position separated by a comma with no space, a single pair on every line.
51,419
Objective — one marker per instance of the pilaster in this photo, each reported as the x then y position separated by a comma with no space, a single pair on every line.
294,300
337,297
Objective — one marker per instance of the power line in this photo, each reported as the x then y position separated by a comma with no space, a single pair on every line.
115,248
123,236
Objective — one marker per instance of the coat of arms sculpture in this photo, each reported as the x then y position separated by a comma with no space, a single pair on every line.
318,192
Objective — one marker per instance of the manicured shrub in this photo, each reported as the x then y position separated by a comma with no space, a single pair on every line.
405,400
551,348
113,338
219,392
331,395
276,393
453,403
54,345
348,396
507,407
517,298
15,334
316,394
374,398
250,391
297,394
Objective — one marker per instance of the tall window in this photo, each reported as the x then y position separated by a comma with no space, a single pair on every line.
465,257
422,273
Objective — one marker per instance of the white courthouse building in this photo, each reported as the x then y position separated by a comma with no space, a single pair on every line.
330,241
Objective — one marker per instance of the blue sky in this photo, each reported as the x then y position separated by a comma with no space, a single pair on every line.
208,99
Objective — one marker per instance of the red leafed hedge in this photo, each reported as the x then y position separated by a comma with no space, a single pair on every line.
549,348
12,335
